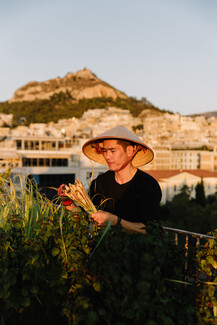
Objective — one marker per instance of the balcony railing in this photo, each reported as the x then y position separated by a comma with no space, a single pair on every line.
189,235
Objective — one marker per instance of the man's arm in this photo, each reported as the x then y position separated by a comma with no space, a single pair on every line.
102,218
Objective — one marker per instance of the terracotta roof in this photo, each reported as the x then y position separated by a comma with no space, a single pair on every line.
202,173
160,174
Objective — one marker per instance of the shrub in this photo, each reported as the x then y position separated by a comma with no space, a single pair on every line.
52,270
133,277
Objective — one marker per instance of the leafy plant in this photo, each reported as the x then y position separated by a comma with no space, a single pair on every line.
58,269
41,269
207,300
25,201
137,279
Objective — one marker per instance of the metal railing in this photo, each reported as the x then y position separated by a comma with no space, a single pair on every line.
187,235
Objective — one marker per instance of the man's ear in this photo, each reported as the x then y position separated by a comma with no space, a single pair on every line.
129,150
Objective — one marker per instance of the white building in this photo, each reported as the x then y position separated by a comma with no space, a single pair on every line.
171,181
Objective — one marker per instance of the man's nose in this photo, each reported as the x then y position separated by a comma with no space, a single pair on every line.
107,154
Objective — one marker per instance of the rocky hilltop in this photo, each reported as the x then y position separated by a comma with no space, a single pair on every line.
82,84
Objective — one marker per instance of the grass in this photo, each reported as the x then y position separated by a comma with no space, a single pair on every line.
24,200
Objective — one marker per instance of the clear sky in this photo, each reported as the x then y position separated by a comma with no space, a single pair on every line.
164,50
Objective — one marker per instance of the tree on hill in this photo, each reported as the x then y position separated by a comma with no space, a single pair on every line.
62,105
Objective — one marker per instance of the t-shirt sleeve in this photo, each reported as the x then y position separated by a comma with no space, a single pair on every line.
150,203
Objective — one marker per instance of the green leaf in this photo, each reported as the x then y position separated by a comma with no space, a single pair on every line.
203,262
34,290
55,251
108,226
151,322
96,286
25,301
212,243
210,259
25,292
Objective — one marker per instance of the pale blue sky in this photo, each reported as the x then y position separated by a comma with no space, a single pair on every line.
164,50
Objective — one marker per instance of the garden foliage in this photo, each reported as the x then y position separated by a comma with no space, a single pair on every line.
207,269
51,273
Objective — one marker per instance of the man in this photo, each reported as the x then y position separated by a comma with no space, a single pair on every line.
124,194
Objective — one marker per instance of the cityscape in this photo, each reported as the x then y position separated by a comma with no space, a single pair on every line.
185,148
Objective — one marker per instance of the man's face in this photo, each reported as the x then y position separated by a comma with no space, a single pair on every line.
114,154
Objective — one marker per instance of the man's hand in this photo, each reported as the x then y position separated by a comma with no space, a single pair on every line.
102,218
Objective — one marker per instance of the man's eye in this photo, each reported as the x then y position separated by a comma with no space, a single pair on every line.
112,150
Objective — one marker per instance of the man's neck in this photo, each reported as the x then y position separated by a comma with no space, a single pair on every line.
125,175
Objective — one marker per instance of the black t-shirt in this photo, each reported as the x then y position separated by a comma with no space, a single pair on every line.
137,200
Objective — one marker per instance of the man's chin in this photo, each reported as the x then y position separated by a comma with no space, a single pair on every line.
113,168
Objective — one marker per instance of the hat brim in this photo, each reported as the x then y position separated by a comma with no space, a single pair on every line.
142,157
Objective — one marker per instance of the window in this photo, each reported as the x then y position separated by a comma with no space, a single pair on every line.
59,162
60,144
43,145
28,145
26,162
68,144
55,162
19,144
34,162
36,145
41,161
46,162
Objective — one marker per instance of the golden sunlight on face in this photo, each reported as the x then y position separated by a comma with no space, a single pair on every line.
114,154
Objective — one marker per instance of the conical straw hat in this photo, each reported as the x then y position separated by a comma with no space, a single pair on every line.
141,158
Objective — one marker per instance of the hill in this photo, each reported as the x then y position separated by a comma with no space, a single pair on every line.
42,102
209,114
79,85
205,114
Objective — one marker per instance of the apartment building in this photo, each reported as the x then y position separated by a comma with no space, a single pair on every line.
168,158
